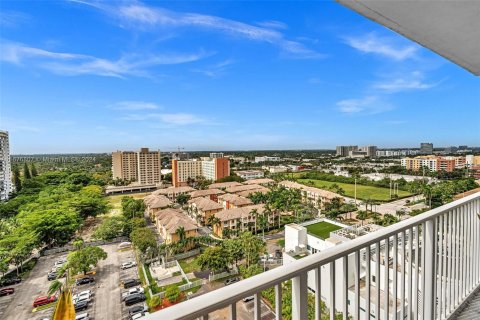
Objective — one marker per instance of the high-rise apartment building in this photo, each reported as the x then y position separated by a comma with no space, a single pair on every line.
344,151
6,186
371,151
211,168
143,167
426,148
357,152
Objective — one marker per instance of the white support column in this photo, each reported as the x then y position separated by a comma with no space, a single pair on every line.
257,306
300,297
429,270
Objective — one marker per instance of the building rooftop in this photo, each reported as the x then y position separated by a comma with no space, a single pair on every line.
322,229
234,199
172,219
247,193
207,192
242,187
205,204
237,213
173,190
157,201
260,181
223,185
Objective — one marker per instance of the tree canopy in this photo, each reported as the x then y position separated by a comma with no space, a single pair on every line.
84,259
143,238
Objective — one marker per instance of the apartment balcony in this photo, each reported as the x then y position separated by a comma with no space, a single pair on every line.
433,273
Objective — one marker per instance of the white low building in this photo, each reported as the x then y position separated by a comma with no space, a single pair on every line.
303,240
266,159
250,174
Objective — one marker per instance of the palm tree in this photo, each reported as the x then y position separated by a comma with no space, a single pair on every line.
254,213
263,221
239,225
214,221
362,215
180,232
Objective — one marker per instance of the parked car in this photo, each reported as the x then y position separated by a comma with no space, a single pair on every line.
82,293
10,281
132,291
6,292
85,297
278,254
231,281
128,283
60,262
248,299
127,265
139,315
84,280
134,298
124,245
43,300
137,309
82,316
81,305
53,275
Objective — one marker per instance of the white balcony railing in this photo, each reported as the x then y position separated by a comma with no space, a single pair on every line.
433,266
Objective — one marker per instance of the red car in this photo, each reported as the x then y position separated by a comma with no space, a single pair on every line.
40,301
6,291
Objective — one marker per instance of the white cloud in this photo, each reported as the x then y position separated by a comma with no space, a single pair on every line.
71,64
273,24
383,46
215,70
139,16
167,118
13,18
135,105
180,118
366,105
409,82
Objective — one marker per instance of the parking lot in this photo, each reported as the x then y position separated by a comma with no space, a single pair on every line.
106,302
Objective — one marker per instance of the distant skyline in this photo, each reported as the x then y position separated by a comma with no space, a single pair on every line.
83,76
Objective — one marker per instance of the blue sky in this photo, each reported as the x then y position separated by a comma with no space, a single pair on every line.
93,76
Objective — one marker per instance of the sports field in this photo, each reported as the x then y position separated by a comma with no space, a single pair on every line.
363,192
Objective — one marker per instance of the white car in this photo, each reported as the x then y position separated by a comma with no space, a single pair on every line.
127,265
85,293
139,315
124,245
60,263
85,297
132,291
82,316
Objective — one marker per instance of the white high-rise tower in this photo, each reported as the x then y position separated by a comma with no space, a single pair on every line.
5,168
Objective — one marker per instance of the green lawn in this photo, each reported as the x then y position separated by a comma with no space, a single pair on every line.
322,229
189,265
363,192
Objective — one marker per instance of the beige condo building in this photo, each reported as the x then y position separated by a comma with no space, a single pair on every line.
143,167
